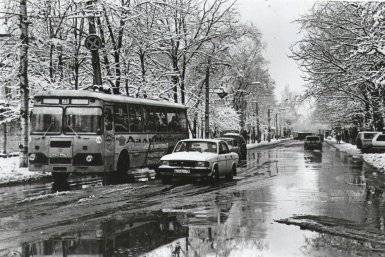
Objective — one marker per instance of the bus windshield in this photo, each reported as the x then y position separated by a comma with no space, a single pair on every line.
46,120
82,120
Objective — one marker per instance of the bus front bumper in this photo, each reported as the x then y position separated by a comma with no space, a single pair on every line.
66,168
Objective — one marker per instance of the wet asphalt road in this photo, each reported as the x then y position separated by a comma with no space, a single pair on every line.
229,219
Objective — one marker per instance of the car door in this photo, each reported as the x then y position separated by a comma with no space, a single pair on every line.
222,162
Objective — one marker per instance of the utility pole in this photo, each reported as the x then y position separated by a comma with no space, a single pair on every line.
258,129
276,125
95,59
23,83
207,100
269,126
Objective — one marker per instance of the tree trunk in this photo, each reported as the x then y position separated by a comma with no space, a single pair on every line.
182,80
105,55
95,59
24,89
4,138
207,101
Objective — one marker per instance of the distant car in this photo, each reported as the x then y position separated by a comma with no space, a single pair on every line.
378,143
199,159
241,144
232,143
313,142
364,140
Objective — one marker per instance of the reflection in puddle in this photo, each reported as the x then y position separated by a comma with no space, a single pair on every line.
128,237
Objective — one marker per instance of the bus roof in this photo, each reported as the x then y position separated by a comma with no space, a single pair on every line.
107,97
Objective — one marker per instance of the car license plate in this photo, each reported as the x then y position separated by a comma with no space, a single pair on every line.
182,171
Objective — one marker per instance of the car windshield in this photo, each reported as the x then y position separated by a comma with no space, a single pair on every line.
82,120
312,139
196,146
229,141
46,120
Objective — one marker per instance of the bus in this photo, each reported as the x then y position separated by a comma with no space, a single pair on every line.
79,131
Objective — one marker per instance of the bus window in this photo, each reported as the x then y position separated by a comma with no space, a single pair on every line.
156,120
46,120
173,122
121,118
183,120
108,119
135,118
82,120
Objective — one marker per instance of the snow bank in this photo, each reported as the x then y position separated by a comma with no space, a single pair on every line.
375,159
263,143
10,171
345,147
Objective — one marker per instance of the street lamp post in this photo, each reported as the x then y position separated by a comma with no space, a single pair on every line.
269,126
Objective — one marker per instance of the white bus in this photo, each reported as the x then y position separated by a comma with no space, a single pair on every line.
90,132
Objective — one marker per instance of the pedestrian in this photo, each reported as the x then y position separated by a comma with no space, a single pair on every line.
338,137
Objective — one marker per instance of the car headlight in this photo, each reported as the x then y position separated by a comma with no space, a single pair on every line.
166,163
32,157
202,164
89,158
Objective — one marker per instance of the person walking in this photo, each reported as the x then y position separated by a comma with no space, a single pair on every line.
338,137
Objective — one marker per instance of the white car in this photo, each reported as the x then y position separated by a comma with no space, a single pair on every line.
378,143
199,159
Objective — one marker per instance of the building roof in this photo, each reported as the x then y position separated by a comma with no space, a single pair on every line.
107,97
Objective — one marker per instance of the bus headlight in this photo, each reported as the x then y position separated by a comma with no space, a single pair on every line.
202,164
89,158
32,157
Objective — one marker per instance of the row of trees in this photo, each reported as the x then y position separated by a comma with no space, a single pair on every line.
342,52
167,49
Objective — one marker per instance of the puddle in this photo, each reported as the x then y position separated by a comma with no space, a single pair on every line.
234,219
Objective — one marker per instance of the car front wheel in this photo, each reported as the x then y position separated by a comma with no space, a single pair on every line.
214,176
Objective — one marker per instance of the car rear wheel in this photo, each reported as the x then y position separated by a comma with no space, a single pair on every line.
231,174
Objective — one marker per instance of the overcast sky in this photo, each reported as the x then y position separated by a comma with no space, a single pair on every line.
275,19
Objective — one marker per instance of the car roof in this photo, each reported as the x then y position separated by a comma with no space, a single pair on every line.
201,140
312,136
369,132
231,134
224,138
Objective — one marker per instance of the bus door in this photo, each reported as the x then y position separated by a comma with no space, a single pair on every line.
109,138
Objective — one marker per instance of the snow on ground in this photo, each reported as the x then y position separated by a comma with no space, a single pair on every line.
10,171
263,143
345,147
375,159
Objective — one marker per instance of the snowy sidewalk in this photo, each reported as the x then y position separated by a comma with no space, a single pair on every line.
264,143
375,159
11,173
